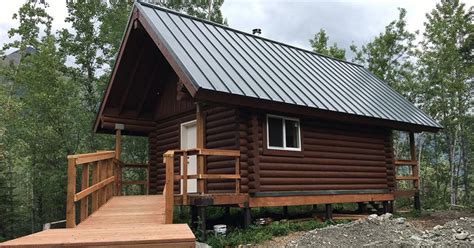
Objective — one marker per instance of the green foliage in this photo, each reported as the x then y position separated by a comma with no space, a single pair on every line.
390,56
320,45
258,234
199,8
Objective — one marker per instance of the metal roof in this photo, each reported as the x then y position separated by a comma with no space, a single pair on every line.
218,58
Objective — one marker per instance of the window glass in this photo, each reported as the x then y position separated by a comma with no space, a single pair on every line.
275,132
292,133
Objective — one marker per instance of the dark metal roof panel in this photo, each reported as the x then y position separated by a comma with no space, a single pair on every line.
222,59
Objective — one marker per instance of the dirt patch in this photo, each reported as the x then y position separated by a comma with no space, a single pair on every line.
432,219
443,229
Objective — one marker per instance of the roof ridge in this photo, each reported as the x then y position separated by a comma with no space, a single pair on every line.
242,32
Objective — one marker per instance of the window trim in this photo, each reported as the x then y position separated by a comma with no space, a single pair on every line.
284,148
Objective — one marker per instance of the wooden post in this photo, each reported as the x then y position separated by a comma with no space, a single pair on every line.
415,173
385,207
118,153
109,188
328,212
85,185
202,222
194,214
185,178
169,188
247,216
95,179
118,140
71,192
285,211
102,176
200,135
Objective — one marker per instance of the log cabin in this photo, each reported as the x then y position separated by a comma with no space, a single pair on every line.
260,123
232,119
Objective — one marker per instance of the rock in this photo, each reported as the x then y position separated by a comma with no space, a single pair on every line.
373,217
416,237
386,216
437,227
400,220
202,245
461,236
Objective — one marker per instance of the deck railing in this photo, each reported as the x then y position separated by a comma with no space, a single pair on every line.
101,179
103,186
201,176
123,166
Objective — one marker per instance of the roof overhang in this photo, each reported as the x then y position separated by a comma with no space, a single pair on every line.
266,105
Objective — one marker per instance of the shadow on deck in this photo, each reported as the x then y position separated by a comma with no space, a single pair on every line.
129,221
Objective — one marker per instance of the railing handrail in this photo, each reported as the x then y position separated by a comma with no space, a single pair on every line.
103,186
168,159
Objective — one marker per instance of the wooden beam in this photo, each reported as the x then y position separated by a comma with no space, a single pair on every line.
169,188
71,192
406,162
277,201
91,157
94,188
118,143
200,143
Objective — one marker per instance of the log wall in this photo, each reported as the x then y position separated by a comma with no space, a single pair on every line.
334,157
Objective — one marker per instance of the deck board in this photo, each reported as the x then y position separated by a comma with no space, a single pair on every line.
136,221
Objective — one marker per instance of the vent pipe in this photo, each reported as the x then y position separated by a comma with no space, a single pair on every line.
257,31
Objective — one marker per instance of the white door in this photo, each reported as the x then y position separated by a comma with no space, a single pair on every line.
188,141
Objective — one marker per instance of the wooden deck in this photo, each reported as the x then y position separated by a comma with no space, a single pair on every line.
124,221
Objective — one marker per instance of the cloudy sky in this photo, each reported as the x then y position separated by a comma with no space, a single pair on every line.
289,21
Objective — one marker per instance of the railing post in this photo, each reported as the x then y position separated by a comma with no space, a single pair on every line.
169,188
71,192
185,178
200,133
95,179
85,185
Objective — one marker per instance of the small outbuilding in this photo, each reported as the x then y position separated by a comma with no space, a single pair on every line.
259,123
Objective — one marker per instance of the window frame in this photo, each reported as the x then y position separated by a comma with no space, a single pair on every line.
284,148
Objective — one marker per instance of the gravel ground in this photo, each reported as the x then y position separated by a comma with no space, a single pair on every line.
385,231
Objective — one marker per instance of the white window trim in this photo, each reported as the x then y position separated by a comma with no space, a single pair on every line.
284,148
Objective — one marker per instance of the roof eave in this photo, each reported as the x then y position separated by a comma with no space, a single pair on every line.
206,95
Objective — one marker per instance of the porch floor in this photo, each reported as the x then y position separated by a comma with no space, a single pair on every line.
131,221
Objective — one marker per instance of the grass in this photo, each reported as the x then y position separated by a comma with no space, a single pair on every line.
258,234
280,226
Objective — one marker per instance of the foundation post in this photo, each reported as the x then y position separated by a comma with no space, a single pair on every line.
202,222
247,216
329,212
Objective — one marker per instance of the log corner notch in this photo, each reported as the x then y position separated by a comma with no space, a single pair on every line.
414,177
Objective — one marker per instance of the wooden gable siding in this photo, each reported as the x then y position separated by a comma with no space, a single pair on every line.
334,157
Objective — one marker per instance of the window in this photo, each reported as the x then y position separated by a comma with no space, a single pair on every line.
283,133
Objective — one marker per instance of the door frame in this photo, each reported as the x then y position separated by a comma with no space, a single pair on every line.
182,127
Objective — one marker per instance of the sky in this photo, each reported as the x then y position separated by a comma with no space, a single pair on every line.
289,21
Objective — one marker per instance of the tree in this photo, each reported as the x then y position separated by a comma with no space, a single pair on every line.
204,9
320,45
390,56
446,81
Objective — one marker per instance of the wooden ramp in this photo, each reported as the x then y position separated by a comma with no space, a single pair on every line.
124,221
